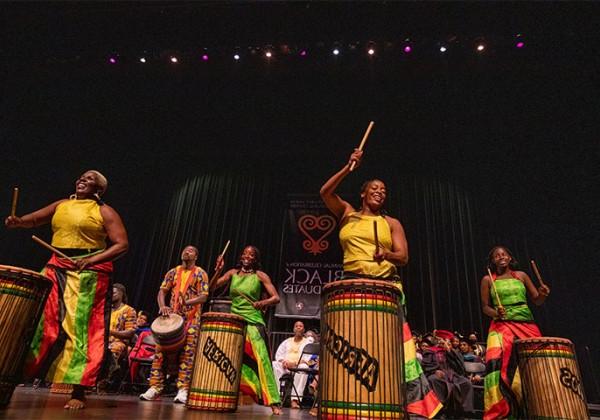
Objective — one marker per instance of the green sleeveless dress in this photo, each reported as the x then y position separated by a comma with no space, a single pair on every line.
258,379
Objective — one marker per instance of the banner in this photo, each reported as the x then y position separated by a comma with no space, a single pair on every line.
311,257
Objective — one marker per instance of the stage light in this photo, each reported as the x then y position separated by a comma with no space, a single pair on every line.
520,44
236,57
480,47
142,59
112,60
336,51
303,53
407,49
268,54
370,51
443,49
204,57
174,59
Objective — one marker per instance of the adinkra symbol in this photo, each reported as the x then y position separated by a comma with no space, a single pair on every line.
569,380
215,355
324,225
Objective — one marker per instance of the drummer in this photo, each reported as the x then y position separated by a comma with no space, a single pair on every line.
375,256
504,299
188,285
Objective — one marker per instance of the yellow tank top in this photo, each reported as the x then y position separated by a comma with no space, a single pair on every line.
78,224
357,238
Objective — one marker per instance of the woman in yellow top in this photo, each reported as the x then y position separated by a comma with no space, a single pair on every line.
69,344
366,256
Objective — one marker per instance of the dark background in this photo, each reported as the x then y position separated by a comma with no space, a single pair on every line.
476,149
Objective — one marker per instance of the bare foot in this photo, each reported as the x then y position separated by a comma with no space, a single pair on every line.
314,412
276,410
295,404
75,404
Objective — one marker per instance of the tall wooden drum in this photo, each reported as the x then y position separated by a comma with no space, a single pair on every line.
23,294
362,363
552,387
215,381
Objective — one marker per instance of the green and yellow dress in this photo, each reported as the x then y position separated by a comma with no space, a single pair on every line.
258,379
502,395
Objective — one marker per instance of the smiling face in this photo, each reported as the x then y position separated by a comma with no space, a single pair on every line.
87,185
501,258
373,195
248,257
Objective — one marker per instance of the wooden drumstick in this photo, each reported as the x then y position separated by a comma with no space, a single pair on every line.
15,198
248,298
51,248
537,273
362,143
376,236
494,288
218,272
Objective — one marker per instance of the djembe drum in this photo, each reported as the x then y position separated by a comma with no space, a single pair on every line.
361,374
552,387
215,381
169,333
23,294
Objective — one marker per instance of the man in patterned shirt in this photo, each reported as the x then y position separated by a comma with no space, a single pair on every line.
122,322
188,286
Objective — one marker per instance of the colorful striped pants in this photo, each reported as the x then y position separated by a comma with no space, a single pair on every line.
71,338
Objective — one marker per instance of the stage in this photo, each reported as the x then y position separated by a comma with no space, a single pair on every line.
30,403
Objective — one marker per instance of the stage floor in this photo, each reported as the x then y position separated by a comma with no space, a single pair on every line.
29,403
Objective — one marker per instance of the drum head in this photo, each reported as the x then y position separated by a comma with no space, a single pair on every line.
167,324
219,305
544,340
10,271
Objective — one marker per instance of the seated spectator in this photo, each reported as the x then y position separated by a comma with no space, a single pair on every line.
478,347
445,370
142,349
288,355
122,329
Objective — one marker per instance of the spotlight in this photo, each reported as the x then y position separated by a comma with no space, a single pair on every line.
520,44
480,47
407,49
370,51
204,57
336,51
142,59
112,60
443,49
174,59
236,57
268,54
303,53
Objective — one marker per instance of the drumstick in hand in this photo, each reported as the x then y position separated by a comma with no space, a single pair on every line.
362,143
218,272
15,198
494,288
51,248
537,273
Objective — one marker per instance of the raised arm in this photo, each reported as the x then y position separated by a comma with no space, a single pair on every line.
37,218
273,298
115,230
221,281
339,207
